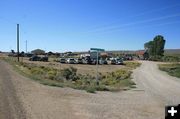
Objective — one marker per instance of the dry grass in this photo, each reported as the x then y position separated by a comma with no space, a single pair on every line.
82,68
171,69
111,77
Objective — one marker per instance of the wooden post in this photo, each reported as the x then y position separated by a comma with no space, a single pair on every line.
18,42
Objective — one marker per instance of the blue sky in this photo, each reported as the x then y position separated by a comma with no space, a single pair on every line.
78,25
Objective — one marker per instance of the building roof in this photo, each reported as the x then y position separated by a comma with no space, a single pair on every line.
140,52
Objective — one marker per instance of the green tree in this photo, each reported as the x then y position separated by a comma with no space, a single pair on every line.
12,51
155,48
149,47
159,43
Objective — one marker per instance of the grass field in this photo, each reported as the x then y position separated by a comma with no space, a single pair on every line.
171,69
110,77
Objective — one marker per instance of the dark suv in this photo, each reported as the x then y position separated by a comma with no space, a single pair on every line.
44,59
37,58
87,60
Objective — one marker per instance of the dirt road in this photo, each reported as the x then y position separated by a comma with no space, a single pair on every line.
157,83
154,90
10,107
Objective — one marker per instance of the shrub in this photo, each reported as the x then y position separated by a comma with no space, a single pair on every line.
155,58
101,88
69,73
36,71
59,77
171,59
91,90
52,74
119,74
109,81
132,65
122,74
117,78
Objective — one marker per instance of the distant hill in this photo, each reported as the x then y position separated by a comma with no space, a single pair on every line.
167,51
172,51
122,51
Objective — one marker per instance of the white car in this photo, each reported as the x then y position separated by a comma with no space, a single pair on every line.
79,61
62,60
71,61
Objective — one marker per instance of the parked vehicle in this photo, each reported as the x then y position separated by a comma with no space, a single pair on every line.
70,61
87,60
128,57
78,61
44,59
94,61
102,61
35,58
119,61
112,61
62,60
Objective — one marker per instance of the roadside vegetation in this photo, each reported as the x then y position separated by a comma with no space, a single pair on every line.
132,65
68,77
171,58
171,69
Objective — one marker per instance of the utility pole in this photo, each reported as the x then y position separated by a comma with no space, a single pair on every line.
18,42
26,46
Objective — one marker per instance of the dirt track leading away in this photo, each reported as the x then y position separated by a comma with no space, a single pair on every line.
154,90
10,106
157,83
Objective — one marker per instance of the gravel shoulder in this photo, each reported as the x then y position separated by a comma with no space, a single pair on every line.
154,90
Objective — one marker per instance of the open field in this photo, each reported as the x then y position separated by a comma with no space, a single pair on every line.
82,68
171,69
172,52
78,76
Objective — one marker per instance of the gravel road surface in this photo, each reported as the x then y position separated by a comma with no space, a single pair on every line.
10,106
21,98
